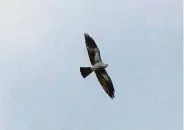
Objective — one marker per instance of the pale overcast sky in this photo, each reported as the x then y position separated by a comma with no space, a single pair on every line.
42,47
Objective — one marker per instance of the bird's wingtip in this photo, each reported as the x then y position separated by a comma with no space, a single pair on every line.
112,96
86,34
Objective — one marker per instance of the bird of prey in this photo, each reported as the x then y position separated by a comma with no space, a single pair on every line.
97,66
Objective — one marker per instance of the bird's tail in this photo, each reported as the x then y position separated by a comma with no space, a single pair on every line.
85,71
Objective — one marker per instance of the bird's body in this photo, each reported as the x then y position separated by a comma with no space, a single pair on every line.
97,66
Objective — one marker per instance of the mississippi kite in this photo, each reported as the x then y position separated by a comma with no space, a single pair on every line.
97,66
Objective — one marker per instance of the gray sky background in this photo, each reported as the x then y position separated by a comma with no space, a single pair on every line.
42,47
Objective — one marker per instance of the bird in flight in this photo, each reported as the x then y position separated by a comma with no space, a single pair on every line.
97,66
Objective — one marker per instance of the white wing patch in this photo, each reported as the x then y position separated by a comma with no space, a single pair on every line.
97,55
105,77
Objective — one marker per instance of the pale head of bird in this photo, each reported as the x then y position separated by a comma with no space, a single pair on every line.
106,65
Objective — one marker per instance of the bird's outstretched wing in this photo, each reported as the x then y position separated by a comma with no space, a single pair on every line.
105,82
92,48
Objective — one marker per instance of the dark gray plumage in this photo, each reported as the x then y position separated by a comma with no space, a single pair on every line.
97,66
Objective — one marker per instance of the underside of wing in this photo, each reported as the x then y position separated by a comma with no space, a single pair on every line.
92,48
105,82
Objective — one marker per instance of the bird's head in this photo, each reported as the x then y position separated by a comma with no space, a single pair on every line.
106,65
